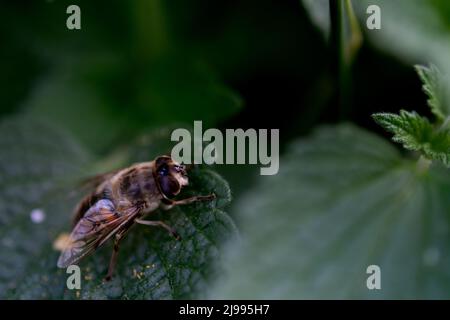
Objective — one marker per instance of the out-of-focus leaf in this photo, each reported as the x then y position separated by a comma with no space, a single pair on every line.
415,30
36,163
417,133
344,199
437,88
36,172
319,11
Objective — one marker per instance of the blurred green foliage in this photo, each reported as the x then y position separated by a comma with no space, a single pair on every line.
75,103
344,199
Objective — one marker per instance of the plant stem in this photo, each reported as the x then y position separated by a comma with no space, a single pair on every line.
356,34
341,65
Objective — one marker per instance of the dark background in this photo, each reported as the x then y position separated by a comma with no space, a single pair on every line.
267,51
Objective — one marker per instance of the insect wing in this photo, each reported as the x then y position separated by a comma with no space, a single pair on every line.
94,181
98,224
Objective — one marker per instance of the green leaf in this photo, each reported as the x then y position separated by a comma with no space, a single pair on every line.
436,88
343,199
319,11
418,134
37,162
413,30
39,173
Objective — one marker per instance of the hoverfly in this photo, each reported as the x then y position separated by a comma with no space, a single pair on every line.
121,199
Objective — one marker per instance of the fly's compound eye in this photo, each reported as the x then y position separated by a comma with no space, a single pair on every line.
163,171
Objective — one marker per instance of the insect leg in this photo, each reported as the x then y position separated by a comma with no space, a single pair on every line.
113,261
159,224
193,199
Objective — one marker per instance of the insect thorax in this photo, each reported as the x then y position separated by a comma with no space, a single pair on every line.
138,185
